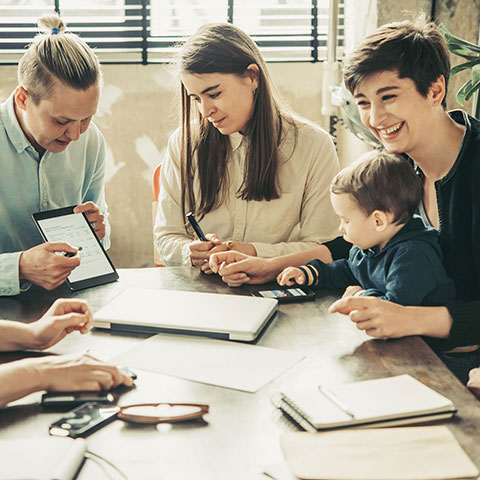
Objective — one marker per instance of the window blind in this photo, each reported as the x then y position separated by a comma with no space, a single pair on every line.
150,31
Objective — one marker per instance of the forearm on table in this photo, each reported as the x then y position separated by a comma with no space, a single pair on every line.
18,379
173,249
299,258
14,336
429,321
293,253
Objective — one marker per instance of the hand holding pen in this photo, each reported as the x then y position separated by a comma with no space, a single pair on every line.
201,249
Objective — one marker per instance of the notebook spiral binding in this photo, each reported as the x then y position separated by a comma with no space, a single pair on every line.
293,411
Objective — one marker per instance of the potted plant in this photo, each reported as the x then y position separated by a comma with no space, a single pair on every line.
471,53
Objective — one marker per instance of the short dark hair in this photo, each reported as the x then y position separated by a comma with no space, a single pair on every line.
416,50
382,181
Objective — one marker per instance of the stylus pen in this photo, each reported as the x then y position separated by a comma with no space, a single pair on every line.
193,222
334,399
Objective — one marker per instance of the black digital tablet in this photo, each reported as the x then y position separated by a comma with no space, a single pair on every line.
62,225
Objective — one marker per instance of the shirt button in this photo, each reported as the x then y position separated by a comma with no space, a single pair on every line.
7,291
45,204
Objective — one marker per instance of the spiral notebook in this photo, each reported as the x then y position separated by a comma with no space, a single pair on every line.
391,401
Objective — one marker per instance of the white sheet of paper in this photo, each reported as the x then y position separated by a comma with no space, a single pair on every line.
215,362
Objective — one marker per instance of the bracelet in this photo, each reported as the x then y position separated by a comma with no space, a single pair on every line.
229,245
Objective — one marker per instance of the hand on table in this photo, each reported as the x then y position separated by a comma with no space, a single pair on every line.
63,317
200,252
291,276
474,382
379,318
237,268
77,372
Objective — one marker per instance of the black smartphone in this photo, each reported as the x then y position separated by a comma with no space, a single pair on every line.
84,420
193,222
287,294
53,400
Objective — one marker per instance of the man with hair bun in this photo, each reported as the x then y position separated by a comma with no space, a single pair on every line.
50,157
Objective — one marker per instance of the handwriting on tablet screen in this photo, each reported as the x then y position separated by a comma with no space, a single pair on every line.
74,230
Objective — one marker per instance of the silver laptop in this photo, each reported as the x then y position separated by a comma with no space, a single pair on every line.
227,317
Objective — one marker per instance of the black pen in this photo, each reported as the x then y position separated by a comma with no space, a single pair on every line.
193,222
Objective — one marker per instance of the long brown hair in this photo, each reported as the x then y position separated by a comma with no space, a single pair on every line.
224,48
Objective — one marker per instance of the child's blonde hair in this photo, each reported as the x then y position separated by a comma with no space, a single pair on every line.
56,54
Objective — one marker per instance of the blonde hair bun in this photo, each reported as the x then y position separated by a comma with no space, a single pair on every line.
51,57
48,22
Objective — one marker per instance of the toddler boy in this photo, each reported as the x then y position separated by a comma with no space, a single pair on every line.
394,256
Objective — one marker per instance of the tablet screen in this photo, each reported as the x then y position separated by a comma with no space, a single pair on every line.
63,225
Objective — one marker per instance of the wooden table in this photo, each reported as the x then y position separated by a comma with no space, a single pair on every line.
240,437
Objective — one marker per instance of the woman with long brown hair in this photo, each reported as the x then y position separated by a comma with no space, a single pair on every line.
255,175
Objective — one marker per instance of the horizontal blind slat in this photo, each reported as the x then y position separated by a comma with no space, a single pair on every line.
282,31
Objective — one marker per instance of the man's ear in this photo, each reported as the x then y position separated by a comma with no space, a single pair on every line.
382,220
21,96
437,90
253,72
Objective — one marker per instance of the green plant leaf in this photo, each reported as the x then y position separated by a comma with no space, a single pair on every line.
466,91
454,42
464,66
476,75
462,53
471,53
462,92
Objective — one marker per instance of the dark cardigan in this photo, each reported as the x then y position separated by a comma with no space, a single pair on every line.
458,198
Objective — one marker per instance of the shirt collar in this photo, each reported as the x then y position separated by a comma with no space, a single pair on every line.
12,127
236,140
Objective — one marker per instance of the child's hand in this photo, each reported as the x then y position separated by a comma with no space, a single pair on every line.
291,276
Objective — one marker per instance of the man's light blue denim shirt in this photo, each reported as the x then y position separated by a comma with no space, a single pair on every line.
30,183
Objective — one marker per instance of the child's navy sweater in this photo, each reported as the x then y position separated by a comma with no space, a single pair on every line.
407,271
